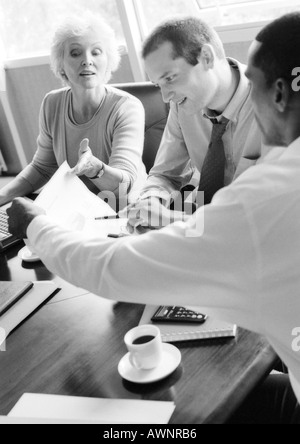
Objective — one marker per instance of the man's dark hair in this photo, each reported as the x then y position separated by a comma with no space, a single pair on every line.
187,35
279,53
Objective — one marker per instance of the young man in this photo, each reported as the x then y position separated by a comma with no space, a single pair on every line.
207,92
244,268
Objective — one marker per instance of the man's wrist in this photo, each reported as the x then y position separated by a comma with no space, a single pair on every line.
149,197
178,216
31,229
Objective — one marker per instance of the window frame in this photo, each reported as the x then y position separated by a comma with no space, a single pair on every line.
135,31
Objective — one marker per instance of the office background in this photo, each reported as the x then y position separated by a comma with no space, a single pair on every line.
25,34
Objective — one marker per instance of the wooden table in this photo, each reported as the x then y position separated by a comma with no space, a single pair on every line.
73,344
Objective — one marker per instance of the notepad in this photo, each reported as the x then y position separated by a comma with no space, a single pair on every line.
177,332
24,307
101,411
12,292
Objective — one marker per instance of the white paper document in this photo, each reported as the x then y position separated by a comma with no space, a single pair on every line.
70,204
101,411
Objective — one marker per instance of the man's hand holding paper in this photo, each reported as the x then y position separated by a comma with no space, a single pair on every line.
67,202
21,214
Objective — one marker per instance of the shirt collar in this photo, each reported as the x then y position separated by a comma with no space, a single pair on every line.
293,150
233,108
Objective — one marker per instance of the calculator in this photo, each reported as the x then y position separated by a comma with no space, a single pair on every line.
178,314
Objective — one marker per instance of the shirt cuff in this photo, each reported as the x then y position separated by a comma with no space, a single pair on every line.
165,197
35,226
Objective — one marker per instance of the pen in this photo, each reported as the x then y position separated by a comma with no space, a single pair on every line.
108,217
118,236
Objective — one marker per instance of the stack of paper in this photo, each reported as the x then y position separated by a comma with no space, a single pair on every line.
179,331
34,298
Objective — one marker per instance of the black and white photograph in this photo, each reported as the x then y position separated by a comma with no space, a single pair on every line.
149,205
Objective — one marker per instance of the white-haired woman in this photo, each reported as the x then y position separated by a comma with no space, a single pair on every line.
97,129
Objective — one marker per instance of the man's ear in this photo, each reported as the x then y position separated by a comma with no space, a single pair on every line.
207,56
281,95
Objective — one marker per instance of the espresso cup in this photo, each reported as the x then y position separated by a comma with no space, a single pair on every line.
144,345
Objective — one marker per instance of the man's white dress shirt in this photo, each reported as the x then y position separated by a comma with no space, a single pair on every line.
244,267
187,136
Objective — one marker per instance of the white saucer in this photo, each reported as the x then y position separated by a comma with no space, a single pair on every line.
26,255
169,363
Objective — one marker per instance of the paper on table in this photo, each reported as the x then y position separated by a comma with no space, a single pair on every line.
9,420
70,204
40,292
102,411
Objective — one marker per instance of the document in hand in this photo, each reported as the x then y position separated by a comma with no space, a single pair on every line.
69,203
101,411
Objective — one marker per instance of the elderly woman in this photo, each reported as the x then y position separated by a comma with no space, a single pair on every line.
98,129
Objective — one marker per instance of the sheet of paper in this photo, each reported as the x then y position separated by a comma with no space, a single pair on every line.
68,201
8,420
70,204
102,411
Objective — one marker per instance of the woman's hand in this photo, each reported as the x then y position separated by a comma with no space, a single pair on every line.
88,165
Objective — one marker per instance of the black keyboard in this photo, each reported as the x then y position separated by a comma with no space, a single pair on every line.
3,224
6,239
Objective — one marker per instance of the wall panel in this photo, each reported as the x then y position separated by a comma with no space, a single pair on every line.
26,88
238,50
7,145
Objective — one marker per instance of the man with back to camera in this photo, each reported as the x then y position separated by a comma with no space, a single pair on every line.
244,268
208,94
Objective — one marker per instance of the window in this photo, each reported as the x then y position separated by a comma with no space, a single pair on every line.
27,25
235,12
152,12
215,12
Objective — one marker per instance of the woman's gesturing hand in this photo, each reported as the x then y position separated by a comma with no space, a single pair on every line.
88,165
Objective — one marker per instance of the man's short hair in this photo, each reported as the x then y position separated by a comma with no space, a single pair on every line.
279,53
187,35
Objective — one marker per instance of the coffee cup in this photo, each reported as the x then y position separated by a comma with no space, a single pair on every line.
144,345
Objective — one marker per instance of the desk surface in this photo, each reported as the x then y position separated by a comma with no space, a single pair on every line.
72,346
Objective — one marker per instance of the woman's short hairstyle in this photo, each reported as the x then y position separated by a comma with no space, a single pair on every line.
279,53
76,26
187,35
